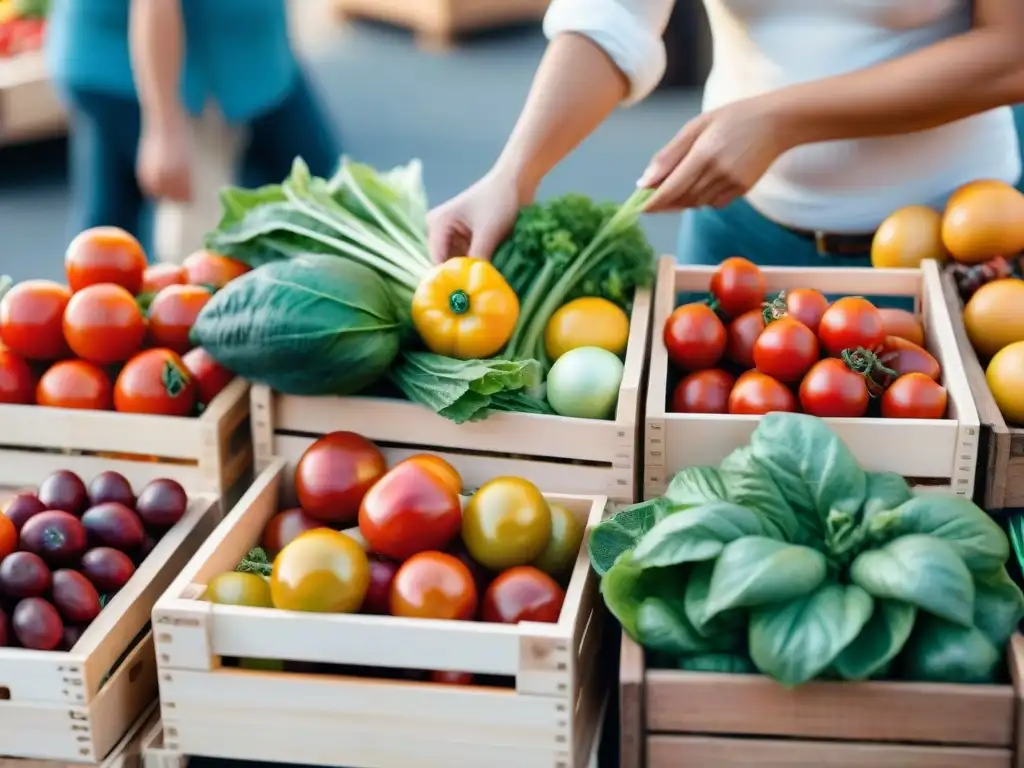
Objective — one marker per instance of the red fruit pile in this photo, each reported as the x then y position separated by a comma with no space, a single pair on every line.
66,549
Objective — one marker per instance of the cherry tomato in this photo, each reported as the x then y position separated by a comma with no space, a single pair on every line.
75,384
447,677
914,396
159,276
756,394
738,285
906,357
105,255
284,527
211,377
433,585
157,382
334,474
507,522
17,382
851,323
445,471
322,571
31,316
103,324
234,588
559,556
694,337
899,322
830,388
522,594
212,270
411,509
378,595
173,313
786,350
743,332
8,536
807,306
703,392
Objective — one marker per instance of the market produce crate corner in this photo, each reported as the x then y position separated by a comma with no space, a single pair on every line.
546,713
568,455
935,452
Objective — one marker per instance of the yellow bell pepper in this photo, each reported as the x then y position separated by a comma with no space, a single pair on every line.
465,309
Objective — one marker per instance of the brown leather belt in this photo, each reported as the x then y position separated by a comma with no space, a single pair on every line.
831,245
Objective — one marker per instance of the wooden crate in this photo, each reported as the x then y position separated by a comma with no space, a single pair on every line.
547,720
437,22
576,456
672,718
1000,484
76,706
211,453
937,452
29,108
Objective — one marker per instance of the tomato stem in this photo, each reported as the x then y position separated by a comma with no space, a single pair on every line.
775,309
713,303
867,364
175,379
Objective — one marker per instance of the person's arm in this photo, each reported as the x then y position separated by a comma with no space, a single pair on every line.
156,39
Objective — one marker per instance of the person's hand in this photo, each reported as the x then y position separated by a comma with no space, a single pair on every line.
715,158
164,163
476,221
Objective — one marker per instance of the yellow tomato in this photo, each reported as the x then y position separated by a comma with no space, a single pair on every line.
994,315
1005,377
564,545
907,237
465,309
586,322
323,571
506,523
234,588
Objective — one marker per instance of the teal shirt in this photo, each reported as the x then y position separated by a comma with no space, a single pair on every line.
237,52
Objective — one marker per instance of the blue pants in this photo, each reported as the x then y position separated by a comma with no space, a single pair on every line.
105,139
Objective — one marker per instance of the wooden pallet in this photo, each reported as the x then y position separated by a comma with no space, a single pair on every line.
938,452
671,718
76,706
210,453
548,719
29,108
436,23
1000,483
576,456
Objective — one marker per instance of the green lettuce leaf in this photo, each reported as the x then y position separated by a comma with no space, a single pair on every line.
998,606
621,532
939,651
879,641
695,534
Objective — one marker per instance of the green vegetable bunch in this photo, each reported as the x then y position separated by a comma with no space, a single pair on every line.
791,560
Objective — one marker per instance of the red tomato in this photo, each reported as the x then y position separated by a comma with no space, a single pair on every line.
703,392
284,527
523,593
786,350
852,322
743,332
694,337
159,276
75,384
157,382
211,269
806,305
830,388
914,396
446,677
173,313
433,585
445,471
211,377
105,255
411,509
17,382
738,285
906,357
103,324
899,322
756,394
334,474
31,314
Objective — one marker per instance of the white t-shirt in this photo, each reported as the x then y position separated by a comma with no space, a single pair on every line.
760,46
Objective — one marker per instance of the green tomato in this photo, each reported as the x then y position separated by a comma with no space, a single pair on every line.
584,383
564,545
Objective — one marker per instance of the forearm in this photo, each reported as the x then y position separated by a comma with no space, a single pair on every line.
576,87
156,39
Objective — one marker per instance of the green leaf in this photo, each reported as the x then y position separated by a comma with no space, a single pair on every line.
756,570
725,663
815,471
728,628
620,588
920,570
972,534
886,491
998,606
879,641
939,651
621,532
661,625
749,485
796,641
695,534
693,486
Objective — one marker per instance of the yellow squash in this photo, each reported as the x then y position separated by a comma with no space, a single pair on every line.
465,309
